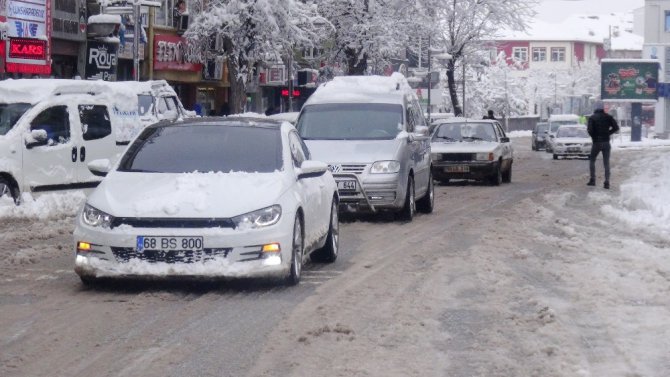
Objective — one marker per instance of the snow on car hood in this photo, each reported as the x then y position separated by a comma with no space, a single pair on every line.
572,140
194,195
463,147
357,151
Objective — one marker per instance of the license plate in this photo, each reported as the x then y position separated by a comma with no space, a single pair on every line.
348,185
169,243
457,169
573,149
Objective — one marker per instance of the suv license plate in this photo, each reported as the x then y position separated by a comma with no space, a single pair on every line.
457,169
169,243
347,185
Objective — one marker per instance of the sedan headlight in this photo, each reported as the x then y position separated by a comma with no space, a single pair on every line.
381,167
259,218
95,217
485,157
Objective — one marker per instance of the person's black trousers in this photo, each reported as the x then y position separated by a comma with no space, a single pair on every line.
604,147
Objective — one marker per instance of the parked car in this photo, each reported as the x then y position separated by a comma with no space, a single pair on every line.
290,117
50,128
372,133
472,149
555,121
213,197
572,141
539,137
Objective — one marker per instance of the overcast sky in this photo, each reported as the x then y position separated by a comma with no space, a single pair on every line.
557,10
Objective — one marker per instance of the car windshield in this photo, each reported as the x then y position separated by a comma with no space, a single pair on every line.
542,128
10,114
205,148
451,132
144,103
572,132
557,123
349,121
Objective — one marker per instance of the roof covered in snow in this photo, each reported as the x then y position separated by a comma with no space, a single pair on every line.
356,89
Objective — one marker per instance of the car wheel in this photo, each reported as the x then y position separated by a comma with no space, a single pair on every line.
328,253
533,147
427,203
89,281
7,189
496,178
507,177
408,210
295,270
555,156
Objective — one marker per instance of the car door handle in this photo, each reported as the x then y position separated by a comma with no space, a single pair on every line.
82,154
74,154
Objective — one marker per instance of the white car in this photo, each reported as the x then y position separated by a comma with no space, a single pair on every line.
210,197
471,149
572,141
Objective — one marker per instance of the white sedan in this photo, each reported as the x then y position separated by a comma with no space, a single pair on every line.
212,197
571,141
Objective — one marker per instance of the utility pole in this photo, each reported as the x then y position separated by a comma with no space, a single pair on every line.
430,79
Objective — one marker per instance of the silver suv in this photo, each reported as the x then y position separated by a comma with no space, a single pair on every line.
372,133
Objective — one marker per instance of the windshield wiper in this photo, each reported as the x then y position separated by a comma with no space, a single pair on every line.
445,138
472,138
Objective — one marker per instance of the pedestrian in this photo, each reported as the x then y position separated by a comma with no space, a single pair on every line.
601,126
489,116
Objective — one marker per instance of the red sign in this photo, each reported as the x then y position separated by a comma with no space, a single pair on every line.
173,53
32,69
284,93
32,49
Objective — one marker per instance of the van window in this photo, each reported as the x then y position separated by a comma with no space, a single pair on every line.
10,114
144,103
351,121
95,122
55,122
167,108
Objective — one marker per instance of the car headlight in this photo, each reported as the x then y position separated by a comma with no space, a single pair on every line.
587,144
385,167
259,218
95,217
485,157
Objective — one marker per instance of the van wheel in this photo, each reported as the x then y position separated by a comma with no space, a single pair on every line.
426,203
8,189
409,209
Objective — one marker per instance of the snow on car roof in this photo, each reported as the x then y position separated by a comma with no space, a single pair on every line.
563,117
356,89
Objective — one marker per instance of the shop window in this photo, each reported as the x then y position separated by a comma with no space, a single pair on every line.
520,54
94,121
558,54
539,54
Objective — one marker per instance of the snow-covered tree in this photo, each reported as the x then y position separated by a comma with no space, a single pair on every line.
367,30
251,30
461,26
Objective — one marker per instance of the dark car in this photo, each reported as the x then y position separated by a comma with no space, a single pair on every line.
539,139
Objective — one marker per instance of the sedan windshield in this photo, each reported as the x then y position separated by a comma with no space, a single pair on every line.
451,132
10,114
572,132
557,123
349,121
205,148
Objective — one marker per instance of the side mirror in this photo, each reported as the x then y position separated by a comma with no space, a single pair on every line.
551,136
504,140
311,169
35,138
422,130
100,167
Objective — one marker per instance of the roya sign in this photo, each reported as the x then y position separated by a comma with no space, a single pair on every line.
101,61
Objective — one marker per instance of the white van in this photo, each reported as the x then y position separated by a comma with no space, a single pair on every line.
50,129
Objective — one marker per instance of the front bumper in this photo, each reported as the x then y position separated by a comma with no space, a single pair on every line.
580,151
226,253
374,192
464,169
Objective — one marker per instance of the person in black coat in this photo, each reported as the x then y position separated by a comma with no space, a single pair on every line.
601,126
489,116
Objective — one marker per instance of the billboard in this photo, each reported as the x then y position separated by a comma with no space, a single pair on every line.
632,80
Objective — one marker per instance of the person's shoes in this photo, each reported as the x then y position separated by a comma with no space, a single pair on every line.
591,182
606,185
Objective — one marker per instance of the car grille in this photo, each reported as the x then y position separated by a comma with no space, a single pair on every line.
347,168
147,222
456,157
126,254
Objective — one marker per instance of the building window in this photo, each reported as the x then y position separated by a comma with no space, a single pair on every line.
558,54
520,53
539,54
667,20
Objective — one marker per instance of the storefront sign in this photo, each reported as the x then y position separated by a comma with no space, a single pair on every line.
27,47
629,80
31,49
175,54
101,61
276,75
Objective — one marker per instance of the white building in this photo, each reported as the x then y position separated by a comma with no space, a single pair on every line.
657,46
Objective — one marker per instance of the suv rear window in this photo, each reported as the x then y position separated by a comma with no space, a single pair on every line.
351,121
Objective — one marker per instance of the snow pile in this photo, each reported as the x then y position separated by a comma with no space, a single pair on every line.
46,206
521,133
361,88
643,200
